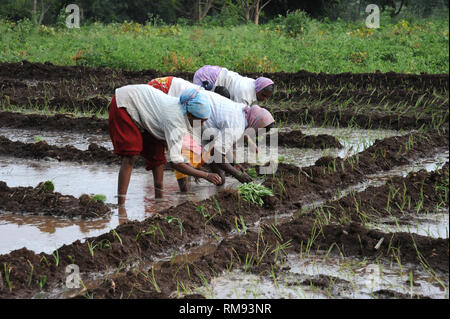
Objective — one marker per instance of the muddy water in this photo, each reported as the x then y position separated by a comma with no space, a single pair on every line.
353,141
45,234
301,277
78,140
434,225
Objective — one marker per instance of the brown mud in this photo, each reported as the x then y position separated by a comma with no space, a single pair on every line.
216,219
57,122
295,185
75,88
419,192
387,81
323,116
42,200
67,123
42,150
350,240
240,235
300,140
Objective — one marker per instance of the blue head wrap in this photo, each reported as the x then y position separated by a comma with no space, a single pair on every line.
196,103
207,86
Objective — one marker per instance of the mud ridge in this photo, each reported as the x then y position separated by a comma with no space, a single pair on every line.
322,116
386,81
42,200
419,192
295,185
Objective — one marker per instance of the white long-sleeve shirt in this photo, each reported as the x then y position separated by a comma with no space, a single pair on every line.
227,118
157,113
241,88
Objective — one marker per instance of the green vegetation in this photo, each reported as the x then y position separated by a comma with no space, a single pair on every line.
254,193
252,172
46,186
99,198
332,47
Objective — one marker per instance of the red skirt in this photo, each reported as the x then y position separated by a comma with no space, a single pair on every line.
129,141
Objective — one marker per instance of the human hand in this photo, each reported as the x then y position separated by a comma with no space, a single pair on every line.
244,178
213,178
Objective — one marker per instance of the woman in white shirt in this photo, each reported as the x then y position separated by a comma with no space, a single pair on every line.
143,121
242,89
228,120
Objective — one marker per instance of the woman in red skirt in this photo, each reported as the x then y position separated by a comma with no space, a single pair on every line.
144,121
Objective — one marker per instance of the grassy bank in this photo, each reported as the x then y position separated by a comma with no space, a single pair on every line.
334,47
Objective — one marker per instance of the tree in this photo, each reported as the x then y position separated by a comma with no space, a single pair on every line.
201,9
252,9
259,6
41,13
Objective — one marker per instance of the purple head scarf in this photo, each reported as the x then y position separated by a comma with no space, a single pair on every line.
261,83
257,117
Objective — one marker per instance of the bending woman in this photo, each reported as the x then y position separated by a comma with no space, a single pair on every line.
144,121
242,89
225,115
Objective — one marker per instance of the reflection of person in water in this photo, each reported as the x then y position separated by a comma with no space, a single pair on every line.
123,218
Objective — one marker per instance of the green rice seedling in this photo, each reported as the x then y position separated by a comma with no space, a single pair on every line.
253,193
252,172
237,255
261,254
119,268
230,265
170,219
104,243
98,198
201,209
206,284
43,258
42,281
185,289
72,259
281,249
155,284
91,247
151,230
116,235
274,277
276,231
217,205
243,228
56,257
31,273
38,138
46,187
7,270
249,261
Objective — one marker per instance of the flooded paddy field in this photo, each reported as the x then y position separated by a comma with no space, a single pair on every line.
359,206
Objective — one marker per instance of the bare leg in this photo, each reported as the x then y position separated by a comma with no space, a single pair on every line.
124,177
158,177
184,184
